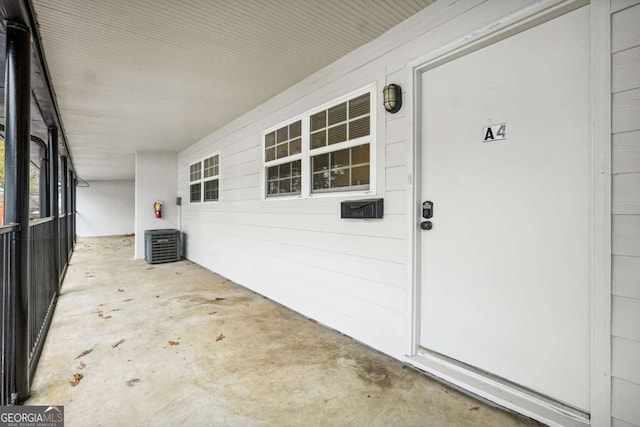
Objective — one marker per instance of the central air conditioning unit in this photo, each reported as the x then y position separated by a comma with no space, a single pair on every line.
161,246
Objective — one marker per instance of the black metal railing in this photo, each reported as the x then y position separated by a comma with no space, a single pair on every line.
7,315
63,243
43,286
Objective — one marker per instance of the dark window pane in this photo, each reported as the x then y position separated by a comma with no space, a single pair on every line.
270,154
319,139
359,128
360,175
296,185
295,129
285,185
272,187
211,190
295,146
318,121
295,168
285,170
282,150
360,154
340,178
272,172
321,180
359,106
320,163
338,134
340,159
337,114
270,139
194,192
282,134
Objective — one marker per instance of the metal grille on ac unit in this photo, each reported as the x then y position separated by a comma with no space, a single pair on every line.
161,246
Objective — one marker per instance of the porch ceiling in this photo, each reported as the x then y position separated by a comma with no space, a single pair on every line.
160,75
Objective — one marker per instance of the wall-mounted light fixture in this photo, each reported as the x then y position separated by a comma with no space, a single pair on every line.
392,98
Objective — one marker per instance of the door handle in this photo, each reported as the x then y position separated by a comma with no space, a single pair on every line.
426,225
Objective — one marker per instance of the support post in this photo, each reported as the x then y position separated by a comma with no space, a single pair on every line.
52,154
64,187
17,103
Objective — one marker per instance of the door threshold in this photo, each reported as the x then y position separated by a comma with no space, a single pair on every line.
486,386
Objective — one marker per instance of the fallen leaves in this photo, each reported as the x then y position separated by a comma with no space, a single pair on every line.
120,290
313,320
174,343
76,379
216,299
127,300
220,337
114,345
213,312
133,382
84,353
101,314
150,268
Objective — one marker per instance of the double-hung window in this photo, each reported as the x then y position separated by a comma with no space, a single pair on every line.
283,160
204,180
340,146
329,149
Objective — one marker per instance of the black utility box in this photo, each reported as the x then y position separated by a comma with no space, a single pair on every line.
365,208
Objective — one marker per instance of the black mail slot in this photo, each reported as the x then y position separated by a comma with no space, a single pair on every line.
366,208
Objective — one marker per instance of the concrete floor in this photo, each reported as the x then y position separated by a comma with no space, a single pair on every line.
198,350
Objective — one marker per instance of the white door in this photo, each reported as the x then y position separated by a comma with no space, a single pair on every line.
506,267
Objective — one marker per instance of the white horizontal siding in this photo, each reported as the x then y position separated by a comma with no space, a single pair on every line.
625,397
626,276
625,29
618,5
625,327
626,188
626,69
626,359
626,318
626,152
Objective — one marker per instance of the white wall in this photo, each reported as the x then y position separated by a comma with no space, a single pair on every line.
156,174
350,275
105,208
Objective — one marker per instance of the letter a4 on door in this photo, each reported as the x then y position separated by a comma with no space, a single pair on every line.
494,133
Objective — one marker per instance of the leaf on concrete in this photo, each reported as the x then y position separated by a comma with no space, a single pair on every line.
105,317
76,379
127,300
150,268
114,345
120,290
313,320
133,382
174,343
84,353
216,299
178,273
81,365
220,337
213,312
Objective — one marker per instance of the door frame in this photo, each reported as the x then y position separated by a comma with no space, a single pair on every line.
468,379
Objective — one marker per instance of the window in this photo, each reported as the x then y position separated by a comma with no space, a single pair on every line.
335,130
283,148
204,179
327,150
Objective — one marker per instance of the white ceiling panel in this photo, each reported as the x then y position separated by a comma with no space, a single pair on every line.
134,75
